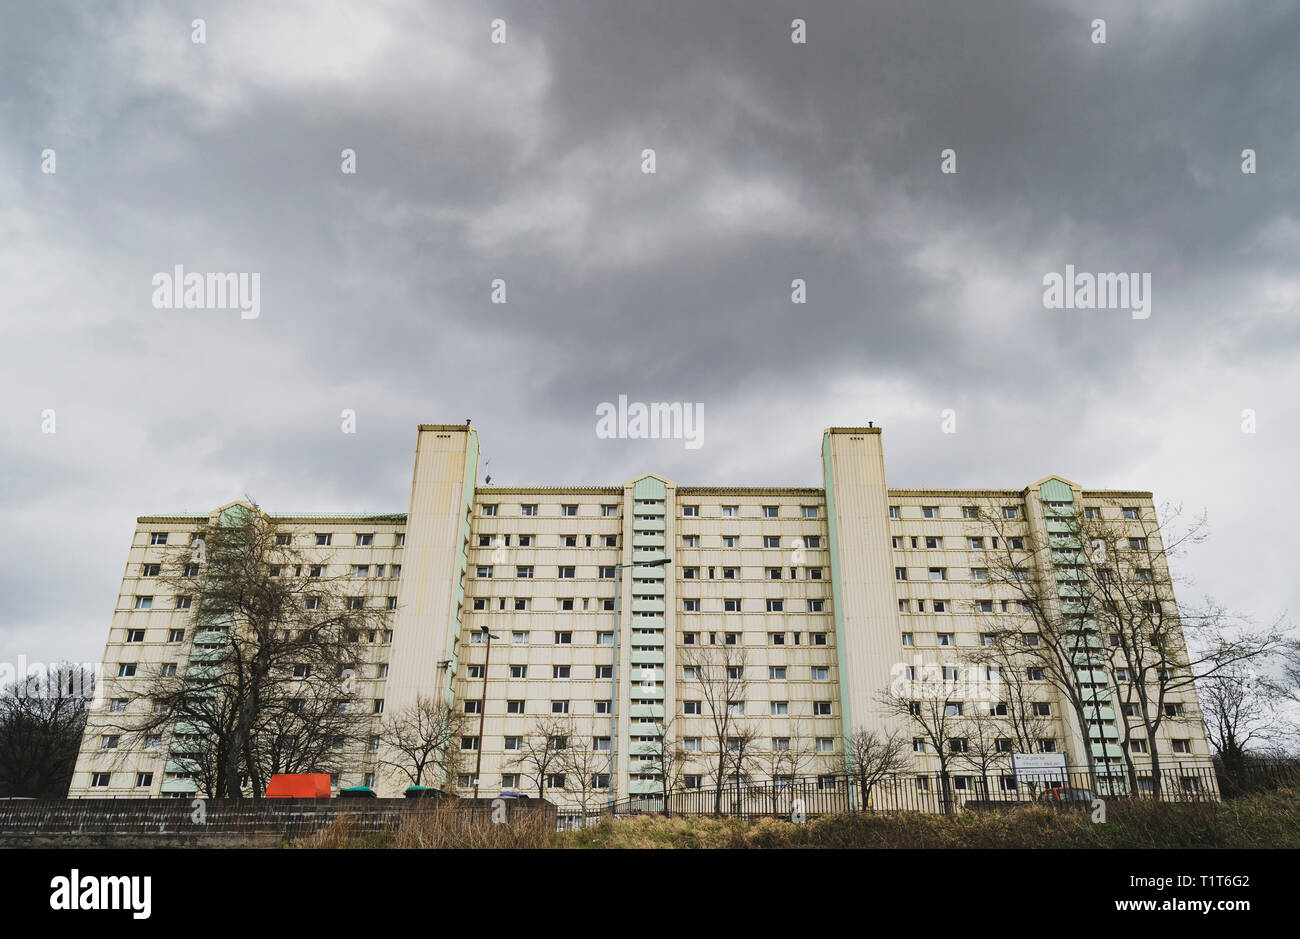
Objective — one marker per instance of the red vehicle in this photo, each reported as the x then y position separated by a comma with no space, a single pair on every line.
299,786
1068,797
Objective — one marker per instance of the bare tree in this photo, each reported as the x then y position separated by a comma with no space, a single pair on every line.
277,633
720,674
422,741
870,756
585,765
541,750
931,702
42,719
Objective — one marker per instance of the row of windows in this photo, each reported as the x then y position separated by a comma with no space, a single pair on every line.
320,539
731,638
1007,511
531,509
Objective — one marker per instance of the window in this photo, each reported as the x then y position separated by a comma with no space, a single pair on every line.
559,707
1137,544
818,639
953,709
473,706
775,606
566,573
1138,745
731,606
524,570
1035,674
821,673
812,541
690,511
816,606
780,708
126,670
893,512
932,543
1174,710
563,638
99,780
771,511
356,603
690,541
821,708
109,742
691,707
528,509
1132,512
365,541
568,510
929,511
730,573
135,635
776,672
360,570
488,509
690,606
690,639
1042,709
143,780
144,603
947,639
900,573
771,541
560,671
1046,745
938,573
392,603
176,635
399,540
908,640
1010,511
809,511
323,540
732,639
1091,512
693,781
958,745
514,707
608,511
604,671
730,511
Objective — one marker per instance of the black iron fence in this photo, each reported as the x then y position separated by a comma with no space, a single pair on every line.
958,791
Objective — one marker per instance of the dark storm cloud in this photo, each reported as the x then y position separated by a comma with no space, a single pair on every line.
775,162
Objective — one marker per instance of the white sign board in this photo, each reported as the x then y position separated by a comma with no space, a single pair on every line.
1039,765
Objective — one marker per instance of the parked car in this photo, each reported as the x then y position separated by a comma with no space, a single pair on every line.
1068,798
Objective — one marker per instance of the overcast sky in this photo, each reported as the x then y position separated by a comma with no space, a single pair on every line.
522,161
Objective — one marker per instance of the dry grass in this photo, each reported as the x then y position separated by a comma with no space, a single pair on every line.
442,825
1270,820
1265,821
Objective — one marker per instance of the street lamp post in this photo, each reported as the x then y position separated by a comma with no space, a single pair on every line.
482,709
614,673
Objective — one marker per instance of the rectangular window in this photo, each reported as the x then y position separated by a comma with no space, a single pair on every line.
771,541
771,511
563,638
560,671
821,673
775,606
323,539
1010,511
938,573
690,511
691,707
821,708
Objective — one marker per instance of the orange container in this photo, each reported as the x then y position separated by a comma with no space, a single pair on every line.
299,786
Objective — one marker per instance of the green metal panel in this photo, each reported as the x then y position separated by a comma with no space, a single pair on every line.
647,541
642,787
647,658
180,785
1053,490
647,606
646,590
656,640
648,524
649,488
655,508
649,573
